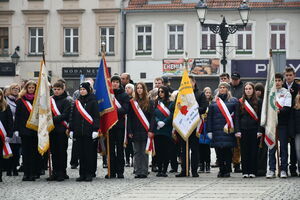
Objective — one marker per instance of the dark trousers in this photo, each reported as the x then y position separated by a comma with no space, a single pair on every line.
86,160
31,157
204,153
174,152
74,153
249,151
116,139
129,151
293,156
58,148
262,157
194,146
95,155
13,161
224,156
162,149
283,139
1,159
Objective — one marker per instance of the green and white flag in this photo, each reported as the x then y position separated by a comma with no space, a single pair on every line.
269,117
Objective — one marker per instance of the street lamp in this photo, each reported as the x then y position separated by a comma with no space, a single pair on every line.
223,29
15,57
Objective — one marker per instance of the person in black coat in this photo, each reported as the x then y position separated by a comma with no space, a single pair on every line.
138,132
84,127
6,119
59,135
116,133
249,126
31,157
194,138
296,127
222,138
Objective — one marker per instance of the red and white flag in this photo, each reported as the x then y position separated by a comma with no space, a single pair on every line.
6,148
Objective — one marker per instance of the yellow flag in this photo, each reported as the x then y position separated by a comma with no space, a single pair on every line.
186,116
40,118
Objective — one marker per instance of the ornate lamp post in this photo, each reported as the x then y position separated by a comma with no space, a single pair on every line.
223,29
15,57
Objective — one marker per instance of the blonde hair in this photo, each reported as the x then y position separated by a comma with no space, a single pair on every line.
13,85
24,90
3,104
297,102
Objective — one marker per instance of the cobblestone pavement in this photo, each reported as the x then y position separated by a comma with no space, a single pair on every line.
207,186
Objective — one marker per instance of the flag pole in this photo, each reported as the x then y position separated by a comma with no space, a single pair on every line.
187,141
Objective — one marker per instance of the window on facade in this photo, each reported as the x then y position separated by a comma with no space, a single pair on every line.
144,40
244,40
71,40
278,36
107,36
3,41
208,41
176,38
36,39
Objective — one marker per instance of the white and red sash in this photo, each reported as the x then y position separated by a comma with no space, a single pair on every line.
200,127
56,112
249,109
279,106
229,126
27,105
150,149
163,109
117,104
83,112
6,148
125,142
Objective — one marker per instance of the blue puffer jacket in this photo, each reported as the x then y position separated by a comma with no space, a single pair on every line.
216,123
166,130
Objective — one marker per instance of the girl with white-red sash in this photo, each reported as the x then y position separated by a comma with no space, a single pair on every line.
249,127
139,127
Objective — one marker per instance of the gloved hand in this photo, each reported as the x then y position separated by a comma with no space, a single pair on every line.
259,134
7,139
16,133
160,124
95,135
71,134
209,135
238,134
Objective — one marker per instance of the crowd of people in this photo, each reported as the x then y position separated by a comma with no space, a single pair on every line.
231,117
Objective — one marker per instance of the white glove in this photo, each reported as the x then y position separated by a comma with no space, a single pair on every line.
95,135
238,134
71,134
209,135
16,133
7,139
160,124
259,134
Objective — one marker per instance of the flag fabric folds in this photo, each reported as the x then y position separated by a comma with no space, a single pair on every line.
186,116
269,110
104,95
40,118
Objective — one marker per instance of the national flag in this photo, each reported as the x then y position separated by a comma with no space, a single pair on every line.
40,118
104,96
186,116
269,110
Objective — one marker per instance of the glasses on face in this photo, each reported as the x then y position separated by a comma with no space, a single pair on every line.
161,91
15,88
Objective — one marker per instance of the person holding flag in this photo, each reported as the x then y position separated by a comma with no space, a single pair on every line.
61,107
221,127
6,131
28,136
163,115
140,127
116,133
84,126
249,125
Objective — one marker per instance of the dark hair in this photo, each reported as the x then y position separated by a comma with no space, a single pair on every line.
166,99
61,81
289,69
58,84
279,75
225,74
260,87
253,99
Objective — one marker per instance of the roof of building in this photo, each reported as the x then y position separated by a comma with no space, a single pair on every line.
211,4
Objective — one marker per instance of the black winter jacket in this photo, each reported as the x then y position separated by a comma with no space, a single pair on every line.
6,118
21,118
123,99
216,123
135,127
237,91
78,124
201,100
295,122
64,107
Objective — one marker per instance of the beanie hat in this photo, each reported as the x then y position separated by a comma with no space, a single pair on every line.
225,84
86,85
115,78
129,85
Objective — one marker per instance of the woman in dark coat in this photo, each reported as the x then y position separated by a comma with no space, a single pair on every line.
84,126
6,119
163,115
30,155
296,127
137,131
223,134
249,125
